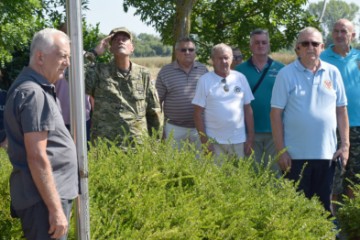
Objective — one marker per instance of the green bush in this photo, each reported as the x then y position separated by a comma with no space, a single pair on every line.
349,214
9,228
155,192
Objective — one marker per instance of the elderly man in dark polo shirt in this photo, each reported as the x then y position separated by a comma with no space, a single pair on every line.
44,180
176,84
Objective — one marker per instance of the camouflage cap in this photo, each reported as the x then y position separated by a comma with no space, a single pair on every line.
123,30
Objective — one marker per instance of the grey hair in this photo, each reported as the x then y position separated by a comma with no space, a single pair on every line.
308,30
220,47
183,40
44,40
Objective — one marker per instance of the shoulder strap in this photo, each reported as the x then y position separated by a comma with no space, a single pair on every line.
262,76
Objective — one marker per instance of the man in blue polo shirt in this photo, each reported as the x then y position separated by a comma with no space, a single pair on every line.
308,103
347,60
260,71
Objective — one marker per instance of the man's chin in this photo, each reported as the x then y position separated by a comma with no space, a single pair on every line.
61,76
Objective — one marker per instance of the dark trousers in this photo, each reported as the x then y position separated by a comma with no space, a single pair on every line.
317,178
35,220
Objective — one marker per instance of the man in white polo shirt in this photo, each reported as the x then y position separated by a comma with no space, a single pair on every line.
176,83
223,113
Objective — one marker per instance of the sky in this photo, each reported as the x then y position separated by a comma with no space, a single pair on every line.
110,14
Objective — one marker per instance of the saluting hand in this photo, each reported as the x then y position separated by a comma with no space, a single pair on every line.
103,45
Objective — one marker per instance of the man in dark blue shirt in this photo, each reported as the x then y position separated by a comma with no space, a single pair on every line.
2,130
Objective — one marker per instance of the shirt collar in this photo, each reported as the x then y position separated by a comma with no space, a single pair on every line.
176,64
301,67
251,63
334,54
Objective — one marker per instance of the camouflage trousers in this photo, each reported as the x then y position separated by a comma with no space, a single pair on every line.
342,181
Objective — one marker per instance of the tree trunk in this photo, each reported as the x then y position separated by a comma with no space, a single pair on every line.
182,24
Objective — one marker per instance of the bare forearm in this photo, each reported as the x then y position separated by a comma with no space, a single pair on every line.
343,126
277,128
249,122
199,124
41,172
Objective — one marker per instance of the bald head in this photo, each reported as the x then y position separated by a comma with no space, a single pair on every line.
347,23
343,33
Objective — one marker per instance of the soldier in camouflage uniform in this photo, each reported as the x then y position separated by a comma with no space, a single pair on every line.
126,103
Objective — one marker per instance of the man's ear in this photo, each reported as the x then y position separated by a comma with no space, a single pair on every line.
353,35
39,57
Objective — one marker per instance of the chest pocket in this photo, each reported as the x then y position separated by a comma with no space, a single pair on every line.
139,94
139,91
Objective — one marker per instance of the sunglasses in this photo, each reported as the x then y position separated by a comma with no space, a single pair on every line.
226,87
184,50
238,57
307,44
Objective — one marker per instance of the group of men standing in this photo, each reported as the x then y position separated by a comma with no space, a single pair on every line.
291,113
262,107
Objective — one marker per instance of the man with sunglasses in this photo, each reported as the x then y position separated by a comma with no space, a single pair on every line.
126,102
176,84
223,114
260,71
237,57
308,103
347,60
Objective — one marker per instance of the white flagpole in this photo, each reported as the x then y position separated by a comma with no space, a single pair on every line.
77,114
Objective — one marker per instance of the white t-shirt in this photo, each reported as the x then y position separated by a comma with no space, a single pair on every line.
224,110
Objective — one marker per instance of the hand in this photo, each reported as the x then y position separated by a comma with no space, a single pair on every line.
103,45
285,162
248,146
58,223
343,153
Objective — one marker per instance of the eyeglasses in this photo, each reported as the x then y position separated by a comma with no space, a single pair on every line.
307,44
226,87
184,50
238,57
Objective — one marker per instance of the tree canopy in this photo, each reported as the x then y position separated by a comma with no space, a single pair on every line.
215,21
17,23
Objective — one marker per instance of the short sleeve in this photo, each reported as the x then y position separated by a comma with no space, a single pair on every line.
200,93
280,94
34,110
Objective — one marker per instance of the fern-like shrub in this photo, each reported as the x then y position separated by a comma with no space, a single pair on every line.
153,191
349,214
